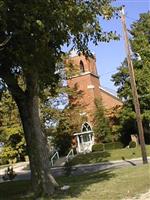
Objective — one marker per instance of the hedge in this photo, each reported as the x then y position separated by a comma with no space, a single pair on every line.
132,144
113,145
98,147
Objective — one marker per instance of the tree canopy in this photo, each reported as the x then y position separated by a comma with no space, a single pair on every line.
38,29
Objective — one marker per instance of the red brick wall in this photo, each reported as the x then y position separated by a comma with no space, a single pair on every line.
89,63
88,82
82,83
109,101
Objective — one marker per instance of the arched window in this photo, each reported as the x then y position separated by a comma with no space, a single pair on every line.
81,67
86,127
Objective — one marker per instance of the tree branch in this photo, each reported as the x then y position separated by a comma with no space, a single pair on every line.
4,42
10,80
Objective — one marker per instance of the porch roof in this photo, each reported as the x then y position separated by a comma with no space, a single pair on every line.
82,133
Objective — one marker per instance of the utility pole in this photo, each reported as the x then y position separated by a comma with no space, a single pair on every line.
134,89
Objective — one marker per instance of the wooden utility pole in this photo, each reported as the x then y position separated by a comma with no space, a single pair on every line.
134,89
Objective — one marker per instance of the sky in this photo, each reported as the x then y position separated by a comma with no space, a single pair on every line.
110,55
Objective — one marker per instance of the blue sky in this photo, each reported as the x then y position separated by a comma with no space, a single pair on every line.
110,55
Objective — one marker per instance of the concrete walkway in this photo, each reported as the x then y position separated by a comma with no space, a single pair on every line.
145,196
19,170
23,174
60,162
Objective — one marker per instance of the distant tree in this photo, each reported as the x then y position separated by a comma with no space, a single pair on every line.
11,132
37,32
101,125
67,121
140,44
114,122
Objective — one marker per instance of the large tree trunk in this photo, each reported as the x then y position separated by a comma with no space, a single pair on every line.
27,102
42,180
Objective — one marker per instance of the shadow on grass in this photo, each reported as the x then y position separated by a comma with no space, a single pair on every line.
17,190
14,190
79,184
128,161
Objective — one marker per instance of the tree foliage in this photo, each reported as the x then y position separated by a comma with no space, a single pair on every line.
140,44
66,121
38,29
11,132
101,124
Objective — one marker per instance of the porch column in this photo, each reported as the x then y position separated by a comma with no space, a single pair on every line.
78,141
90,137
82,139
93,139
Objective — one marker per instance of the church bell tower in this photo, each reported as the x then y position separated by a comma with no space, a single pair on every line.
86,79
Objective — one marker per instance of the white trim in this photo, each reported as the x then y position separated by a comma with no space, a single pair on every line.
82,133
83,74
73,53
90,86
83,113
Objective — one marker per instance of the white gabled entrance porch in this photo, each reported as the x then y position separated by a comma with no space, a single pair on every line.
85,139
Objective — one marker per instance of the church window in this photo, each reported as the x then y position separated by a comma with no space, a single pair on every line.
81,67
86,138
86,127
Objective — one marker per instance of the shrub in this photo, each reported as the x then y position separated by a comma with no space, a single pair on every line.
3,161
132,144
98,147
113,145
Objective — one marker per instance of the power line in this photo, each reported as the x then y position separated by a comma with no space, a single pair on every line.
131,18
103,74
139,96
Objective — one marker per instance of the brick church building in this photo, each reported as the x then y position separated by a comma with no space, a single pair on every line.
84,75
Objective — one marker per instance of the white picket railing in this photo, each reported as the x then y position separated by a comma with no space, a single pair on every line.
56,154
70,155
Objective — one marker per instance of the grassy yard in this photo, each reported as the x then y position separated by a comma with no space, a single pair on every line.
109,184
110,155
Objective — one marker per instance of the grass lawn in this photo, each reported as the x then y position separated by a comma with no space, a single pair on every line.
110,155
105,185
